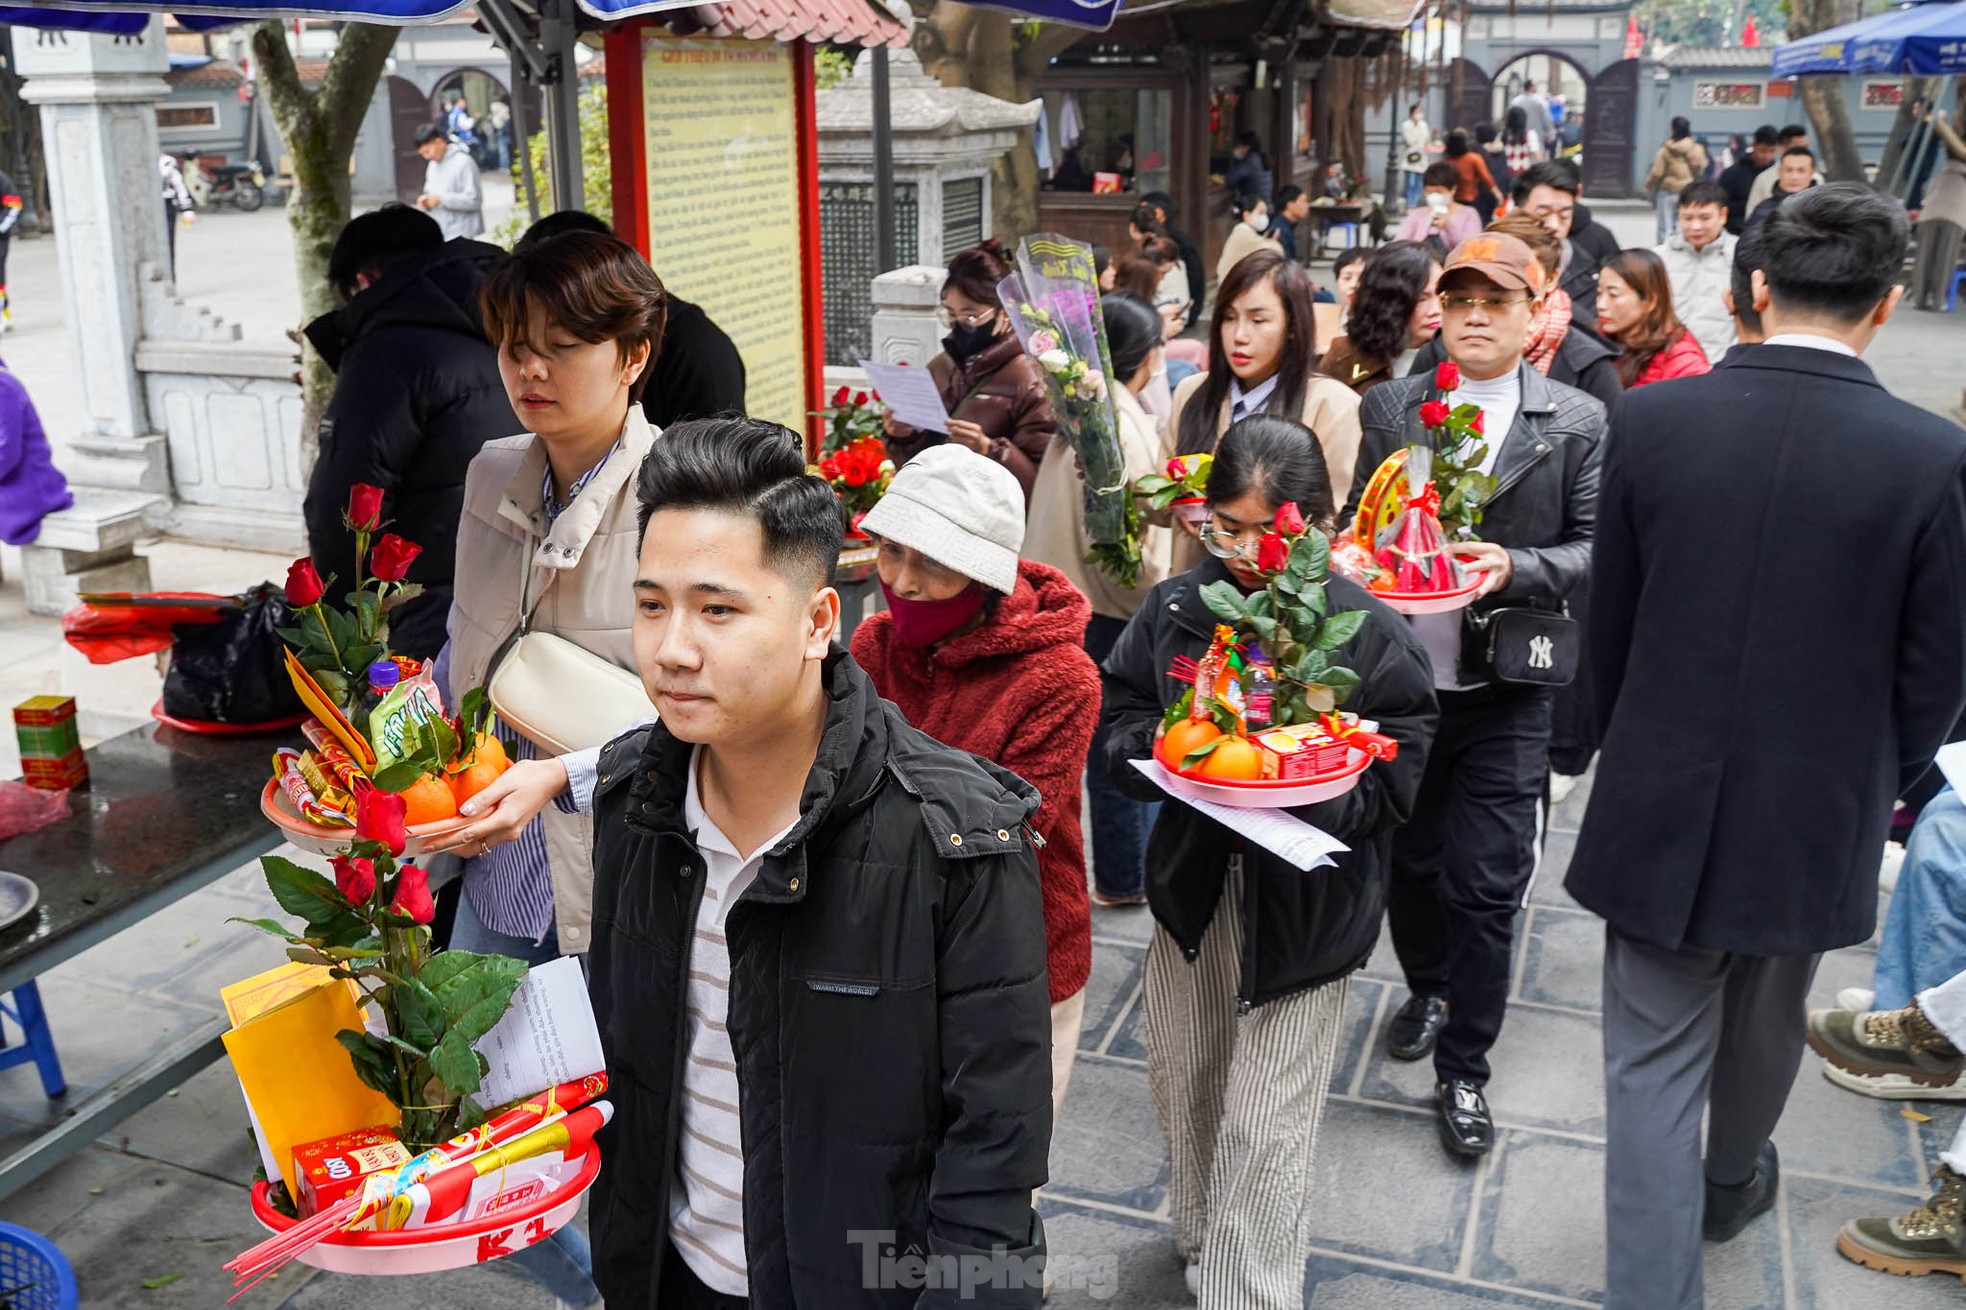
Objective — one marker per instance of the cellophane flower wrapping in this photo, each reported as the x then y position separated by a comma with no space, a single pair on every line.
1053,303
1414,548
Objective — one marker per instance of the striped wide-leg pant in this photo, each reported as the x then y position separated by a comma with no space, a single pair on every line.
1239,1098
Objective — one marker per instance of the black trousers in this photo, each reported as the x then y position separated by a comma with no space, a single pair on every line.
681,1289
1461,866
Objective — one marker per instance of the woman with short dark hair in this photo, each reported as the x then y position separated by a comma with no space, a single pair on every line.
992,390
1250,234
1634,309
1249,963
1444,221
1395,313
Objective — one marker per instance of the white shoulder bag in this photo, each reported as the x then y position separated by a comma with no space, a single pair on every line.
557,694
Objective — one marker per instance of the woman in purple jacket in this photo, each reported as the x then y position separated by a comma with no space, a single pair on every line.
31,487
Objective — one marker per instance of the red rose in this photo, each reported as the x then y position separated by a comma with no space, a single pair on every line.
412,899
839,397
1447,376
876,395
392,557
829,468
1290,519
1434,413
856,473
1273,555
1474,425
304,585
859,397
379,818
355,879
1177,468
364,507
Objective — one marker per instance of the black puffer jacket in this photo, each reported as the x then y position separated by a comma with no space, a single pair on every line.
888,1009
1299,929
416,393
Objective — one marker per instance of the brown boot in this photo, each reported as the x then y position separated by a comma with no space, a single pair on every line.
1928,1240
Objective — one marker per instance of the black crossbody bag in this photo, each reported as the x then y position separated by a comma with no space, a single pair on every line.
1530,647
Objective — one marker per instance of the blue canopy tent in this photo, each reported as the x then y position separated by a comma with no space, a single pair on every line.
1924,39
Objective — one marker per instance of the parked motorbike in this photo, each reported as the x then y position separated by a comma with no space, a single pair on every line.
241,185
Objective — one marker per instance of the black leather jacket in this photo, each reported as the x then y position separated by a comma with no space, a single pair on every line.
1544,507
1584,360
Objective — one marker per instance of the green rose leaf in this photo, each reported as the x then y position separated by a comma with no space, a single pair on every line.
1225,602
302,891
422,1015
1266,627
456,1063
1342,681
268,926
371,1060
1202,752
1339,629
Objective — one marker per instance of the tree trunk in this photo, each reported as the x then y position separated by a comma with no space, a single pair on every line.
991,51
1822,97
319,128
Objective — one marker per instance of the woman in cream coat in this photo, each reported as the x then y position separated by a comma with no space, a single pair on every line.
1262,360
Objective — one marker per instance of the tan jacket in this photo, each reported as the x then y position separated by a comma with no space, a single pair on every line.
582,576
1055,532
1330,412
1243,241
1677,166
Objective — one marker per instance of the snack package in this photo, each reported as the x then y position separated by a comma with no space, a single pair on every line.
293,781
334,1167
415,700
1414,549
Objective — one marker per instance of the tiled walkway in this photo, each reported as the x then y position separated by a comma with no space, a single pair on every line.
1401,1226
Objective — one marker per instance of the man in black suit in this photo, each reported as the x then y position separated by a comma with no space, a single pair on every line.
1778,627
1460,866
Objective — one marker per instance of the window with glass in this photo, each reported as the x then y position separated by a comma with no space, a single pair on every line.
1109,140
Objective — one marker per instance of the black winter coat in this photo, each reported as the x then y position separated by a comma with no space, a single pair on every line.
416,393
1738,181
1778,627
1584,360
888,1010
1544,506
1299,929
698,372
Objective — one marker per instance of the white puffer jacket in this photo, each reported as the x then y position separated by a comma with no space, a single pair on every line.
1698,278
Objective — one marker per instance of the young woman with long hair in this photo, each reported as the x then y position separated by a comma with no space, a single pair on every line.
1262,359
1395,313
1634,309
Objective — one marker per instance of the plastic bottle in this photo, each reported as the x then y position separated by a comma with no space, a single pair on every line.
383,677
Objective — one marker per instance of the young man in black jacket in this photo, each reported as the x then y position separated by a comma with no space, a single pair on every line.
417,392
1740,803
1739,177
1549,192
819,956
1461,865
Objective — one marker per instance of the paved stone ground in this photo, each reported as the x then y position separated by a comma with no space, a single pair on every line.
1399,1225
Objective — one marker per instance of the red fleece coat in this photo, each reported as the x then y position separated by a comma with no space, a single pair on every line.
1021,692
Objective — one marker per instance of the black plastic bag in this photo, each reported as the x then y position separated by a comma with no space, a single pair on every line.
233,672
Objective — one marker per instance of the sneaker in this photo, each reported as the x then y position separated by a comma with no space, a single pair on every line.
1886,1042
1928,1240
1895,1086
1561,785
1192,1277
1416,1027
1888,867
1466,1127
1732,1208
1106,902
1856,998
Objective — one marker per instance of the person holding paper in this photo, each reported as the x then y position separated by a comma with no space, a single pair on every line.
819,962
992,391
1247,971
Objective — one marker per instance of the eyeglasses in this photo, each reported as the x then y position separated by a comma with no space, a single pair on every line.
1224,544
1486,304
973,318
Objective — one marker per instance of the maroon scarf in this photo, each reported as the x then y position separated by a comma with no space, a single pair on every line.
1546,330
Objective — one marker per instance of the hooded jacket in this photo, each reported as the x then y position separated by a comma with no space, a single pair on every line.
1001,391
1017,692
417,392
31,487
887,1014
1300,930
1677,165
1698,278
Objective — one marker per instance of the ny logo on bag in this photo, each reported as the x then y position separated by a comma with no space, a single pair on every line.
1542,653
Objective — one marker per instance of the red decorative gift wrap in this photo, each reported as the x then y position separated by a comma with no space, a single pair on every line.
334,1167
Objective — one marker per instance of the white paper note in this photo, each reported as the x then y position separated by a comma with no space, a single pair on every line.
548,1037
1278,831
909,394
1952,762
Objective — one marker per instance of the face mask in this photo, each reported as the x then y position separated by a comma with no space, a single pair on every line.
1258,222
965,341
925,622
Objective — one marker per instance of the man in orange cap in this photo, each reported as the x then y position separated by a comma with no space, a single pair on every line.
1460,868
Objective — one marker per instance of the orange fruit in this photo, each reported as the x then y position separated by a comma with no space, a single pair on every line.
488,750
1236,759
428,800
472,779
1185,736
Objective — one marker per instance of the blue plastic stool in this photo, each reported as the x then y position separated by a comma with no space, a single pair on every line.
1952,292
34,1275
40,1045
1349,229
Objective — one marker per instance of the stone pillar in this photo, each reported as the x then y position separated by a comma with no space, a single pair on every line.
98,96
905,329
